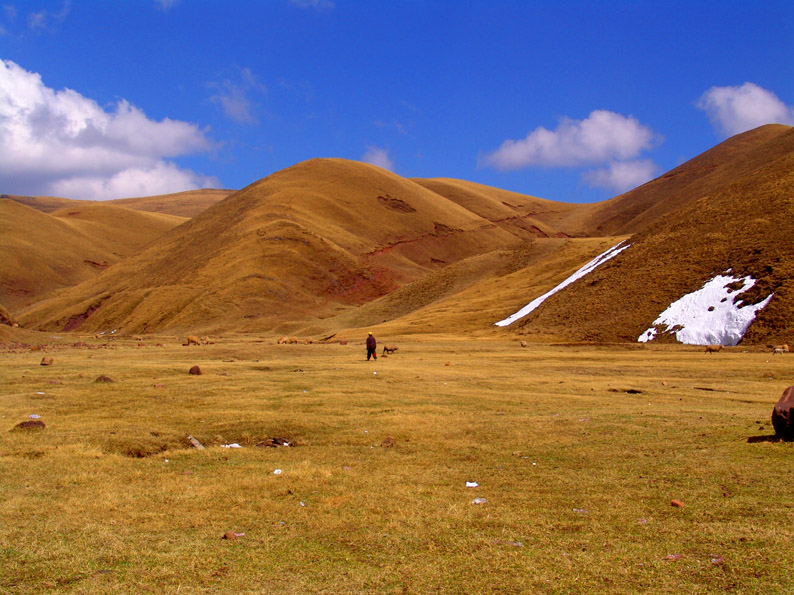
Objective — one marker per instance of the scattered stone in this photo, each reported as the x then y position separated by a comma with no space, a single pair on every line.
673,557
232,535
46,361
523,343
196,444
195,371
581,511
158,386
104,378
717,560
783,416
447,364
677,504
273,443
187,473
479,501
33,424
388,442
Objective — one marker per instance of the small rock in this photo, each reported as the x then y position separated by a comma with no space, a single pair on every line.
479,501
104,378
673,557
33,424
783,415
46,361
718,560
231,535
158,386
448,364
677,504
388,442
195,371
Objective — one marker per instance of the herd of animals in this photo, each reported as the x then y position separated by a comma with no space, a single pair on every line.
193,340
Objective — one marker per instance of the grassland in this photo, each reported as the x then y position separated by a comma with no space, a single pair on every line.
578,451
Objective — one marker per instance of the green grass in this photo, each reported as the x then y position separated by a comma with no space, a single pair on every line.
577,473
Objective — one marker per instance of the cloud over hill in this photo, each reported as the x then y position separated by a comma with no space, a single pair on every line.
64,144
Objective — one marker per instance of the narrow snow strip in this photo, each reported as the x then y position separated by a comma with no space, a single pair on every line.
590,266
712,315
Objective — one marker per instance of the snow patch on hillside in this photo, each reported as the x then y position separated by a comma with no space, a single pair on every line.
590,266
712,315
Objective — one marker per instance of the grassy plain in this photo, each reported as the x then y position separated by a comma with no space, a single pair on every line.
577,473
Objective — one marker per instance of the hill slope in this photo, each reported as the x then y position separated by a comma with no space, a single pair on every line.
307,242
43,252
744,225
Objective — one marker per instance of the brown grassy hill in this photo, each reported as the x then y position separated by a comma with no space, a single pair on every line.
746,226
704,175
303,244
182,204
43,252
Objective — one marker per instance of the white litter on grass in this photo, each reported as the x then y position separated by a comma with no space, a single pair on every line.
472,484
479,501
232,445
34,416
712,315
39,393
589,267
276,471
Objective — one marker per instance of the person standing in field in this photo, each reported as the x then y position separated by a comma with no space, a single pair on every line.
372,345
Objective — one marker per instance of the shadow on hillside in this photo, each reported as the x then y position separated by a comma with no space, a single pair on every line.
767,438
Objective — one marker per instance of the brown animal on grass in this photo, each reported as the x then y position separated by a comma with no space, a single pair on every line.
390,348
713,348
191,340
308,341
283,340
293,340
780,349
205,341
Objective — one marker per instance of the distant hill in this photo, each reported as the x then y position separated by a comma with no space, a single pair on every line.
738,216
182,204
300,245
44,252
330,244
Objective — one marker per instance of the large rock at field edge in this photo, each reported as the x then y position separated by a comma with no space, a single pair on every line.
783,415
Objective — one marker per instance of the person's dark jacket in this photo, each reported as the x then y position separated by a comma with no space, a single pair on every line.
371,344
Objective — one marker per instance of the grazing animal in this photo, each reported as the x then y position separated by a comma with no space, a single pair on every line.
713,348
523,343
293,340
308,341
191,340
780,349
205,340
390,348
283,340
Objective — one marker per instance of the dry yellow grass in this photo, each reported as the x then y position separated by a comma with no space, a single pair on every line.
577,449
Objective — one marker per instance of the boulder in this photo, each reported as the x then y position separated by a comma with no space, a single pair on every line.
783,416
46,361
104,378
33,424
195,371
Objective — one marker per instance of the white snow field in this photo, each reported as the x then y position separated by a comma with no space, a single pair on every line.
590,266
712,315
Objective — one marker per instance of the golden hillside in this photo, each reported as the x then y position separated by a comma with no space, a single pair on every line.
182,204
303,244
43,252
744,225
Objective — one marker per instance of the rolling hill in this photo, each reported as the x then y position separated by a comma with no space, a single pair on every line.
330,244
44,252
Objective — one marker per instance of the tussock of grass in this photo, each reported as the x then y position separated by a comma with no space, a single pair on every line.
578,474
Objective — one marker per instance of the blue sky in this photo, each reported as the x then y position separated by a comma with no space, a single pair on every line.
569,100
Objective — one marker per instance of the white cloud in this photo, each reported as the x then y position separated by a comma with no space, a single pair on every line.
379,157
621,176
51,140
602,137
234,99
161,178
736,109
315,4
46,20
166,5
